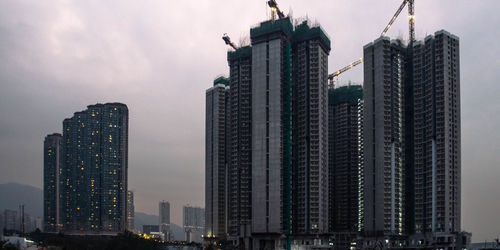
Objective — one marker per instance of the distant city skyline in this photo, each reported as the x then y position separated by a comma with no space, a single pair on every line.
61,56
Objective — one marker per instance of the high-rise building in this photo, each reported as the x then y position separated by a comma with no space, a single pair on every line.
412,140
239,186
164,219
193,223
310,50
271,132
130,210
52,149
10,220
27,223
436,73
38,223
216,156
93,176
384,133
283,74
2,225
345,107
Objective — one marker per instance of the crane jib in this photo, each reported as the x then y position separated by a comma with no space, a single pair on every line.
411,38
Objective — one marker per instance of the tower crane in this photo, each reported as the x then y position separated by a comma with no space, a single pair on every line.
227,40
275,9
411,26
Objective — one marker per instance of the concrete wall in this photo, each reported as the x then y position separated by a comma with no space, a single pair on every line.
266,174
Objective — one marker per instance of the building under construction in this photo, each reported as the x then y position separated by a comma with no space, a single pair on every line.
412,143
240,148
310,51
384,117
268,104
309,167
345,145
437,144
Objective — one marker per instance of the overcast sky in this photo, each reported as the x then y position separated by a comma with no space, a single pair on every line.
159,57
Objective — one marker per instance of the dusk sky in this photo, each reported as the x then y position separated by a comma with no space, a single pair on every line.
159,57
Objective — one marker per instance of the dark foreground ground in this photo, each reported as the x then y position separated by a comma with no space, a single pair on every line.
124,241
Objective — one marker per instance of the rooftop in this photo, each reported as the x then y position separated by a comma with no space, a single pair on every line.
343,94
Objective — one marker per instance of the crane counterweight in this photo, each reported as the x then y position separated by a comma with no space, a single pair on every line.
227,40
275,10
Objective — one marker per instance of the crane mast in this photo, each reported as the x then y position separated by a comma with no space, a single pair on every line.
411,19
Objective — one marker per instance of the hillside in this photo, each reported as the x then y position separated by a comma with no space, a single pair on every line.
14,194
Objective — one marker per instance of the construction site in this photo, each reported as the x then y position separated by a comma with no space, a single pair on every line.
310,164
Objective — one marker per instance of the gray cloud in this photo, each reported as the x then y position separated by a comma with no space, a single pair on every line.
158,57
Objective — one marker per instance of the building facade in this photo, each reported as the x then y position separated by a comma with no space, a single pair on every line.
384,133
10,220
52,149
148,229
271,132
216,158
412,141
164,219
278,88
345,107
130,211
239,184
2,225
94,169
437,135
310,50
193,223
